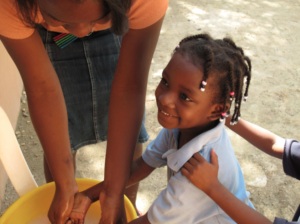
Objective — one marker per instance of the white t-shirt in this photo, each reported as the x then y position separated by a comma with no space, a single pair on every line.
182,202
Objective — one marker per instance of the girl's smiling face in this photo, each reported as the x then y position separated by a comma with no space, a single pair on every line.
78,18
181,104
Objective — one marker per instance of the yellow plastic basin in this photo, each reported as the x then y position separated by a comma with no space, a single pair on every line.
33,207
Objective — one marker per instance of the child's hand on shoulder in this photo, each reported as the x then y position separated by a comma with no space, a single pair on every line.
202,174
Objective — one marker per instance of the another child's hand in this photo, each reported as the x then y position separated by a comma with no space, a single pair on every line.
202,174
80,208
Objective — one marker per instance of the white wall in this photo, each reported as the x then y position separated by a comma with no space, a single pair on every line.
10,92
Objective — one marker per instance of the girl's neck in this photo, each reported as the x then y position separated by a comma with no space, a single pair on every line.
188,134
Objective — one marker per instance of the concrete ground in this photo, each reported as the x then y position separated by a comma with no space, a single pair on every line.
268,31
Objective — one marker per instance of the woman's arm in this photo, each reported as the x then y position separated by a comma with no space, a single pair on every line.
205,177
261,138
49,117
127,104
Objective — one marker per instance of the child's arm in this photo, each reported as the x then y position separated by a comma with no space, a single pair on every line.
205,177
139,170
261,138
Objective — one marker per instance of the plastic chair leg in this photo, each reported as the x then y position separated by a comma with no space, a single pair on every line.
12,158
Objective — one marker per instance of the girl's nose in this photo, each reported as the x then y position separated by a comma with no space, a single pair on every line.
166,99
80,29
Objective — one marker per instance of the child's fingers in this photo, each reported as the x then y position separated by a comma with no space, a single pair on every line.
199,158
193,162
214,158
188,167
185,172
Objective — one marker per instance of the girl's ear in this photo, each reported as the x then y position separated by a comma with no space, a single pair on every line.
217,110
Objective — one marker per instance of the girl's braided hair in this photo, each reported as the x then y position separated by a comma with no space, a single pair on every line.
28,10
225,62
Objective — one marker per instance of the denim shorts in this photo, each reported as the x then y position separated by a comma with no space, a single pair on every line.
85,69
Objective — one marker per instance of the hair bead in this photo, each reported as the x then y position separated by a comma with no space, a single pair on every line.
231,96
176,48
202,85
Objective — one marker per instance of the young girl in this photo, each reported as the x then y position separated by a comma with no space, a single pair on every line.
204,175
202,79
84,64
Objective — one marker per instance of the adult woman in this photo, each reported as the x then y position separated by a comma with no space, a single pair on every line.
45,95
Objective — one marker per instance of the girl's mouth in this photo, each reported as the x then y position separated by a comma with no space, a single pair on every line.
169,115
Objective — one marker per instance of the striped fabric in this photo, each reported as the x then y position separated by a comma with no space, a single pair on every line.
64,39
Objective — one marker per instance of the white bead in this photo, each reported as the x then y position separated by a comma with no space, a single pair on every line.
202,89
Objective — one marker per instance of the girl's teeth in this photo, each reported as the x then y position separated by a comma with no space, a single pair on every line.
165,113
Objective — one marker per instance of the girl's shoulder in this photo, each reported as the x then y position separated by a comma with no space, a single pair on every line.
144,13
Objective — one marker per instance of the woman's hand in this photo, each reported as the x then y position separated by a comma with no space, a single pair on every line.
112,206
61,207
202,174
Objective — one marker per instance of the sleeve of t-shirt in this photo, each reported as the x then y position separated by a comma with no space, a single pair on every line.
144,13
153,154
11,25
291,158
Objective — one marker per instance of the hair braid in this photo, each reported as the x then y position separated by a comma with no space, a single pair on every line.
248,75
209,58
198,36
231,43
230,79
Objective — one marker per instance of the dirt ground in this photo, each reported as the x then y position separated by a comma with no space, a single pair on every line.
268,31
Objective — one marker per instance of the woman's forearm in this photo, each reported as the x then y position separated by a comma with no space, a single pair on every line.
261,138
46,105
127,103
52,129
235,208
125,123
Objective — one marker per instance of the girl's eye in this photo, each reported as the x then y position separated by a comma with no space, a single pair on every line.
185,97
164,82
